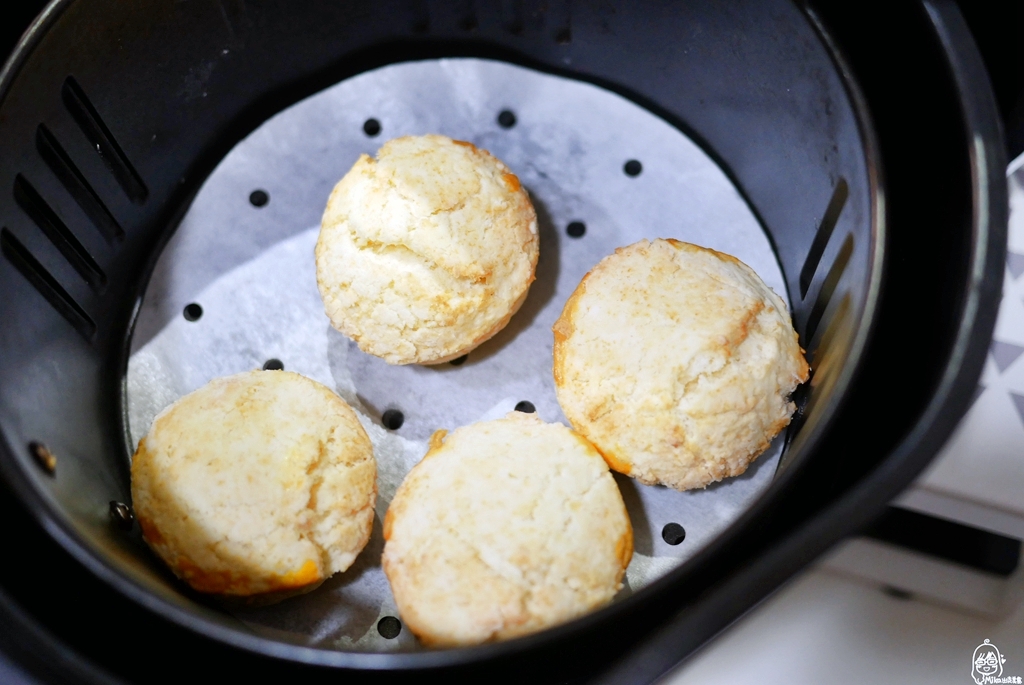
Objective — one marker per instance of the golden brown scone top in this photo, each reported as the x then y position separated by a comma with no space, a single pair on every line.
427,250
261,483
677,362
505,528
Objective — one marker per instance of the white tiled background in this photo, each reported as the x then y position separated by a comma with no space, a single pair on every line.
829,628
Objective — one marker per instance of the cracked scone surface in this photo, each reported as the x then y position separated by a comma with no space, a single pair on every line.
504,528
426,251
261,483
677,362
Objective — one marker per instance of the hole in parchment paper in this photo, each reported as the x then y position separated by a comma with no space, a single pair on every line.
392,419
506,118
459,361
389,627
576,229
371,127
526,407
633,168
673,533
192,312
273,365
259,198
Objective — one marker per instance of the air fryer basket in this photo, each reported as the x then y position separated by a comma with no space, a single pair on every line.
875,170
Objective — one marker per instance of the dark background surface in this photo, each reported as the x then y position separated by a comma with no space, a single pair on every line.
997,28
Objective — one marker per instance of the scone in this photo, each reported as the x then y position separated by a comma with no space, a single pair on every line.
677,362
262,483
504,528
426,251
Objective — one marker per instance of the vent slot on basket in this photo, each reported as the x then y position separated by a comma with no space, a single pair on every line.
47,285
29,199
825,361
821,238
64,168
820,356
88,119
828,288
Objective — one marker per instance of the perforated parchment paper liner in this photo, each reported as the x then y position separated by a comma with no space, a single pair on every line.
249,266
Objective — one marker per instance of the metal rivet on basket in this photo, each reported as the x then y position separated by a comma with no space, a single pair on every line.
506,118
526,407
121,514
632,168
44,457
273,365
576,229
673,533
192,312
371,127
459,361
389,627
259,198
392,419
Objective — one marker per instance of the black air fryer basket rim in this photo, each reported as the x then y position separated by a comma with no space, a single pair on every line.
949,401
217,630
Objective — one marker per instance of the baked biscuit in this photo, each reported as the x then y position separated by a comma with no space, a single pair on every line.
677,362
262,483
504,528
426,251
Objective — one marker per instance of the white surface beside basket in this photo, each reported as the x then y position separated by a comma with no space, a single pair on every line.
828,628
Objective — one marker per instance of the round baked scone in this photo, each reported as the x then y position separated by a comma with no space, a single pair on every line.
262,483
426,251
504,528
677,362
